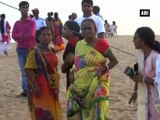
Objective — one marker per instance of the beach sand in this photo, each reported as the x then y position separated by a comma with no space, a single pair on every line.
13,108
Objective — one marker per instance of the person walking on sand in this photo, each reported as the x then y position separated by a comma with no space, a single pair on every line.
58,43
88,95
44,78
5,40
87,9
147,79
50,24
107,28
23,33
113,29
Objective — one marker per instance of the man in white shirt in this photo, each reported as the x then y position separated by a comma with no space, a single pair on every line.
87,9
40,22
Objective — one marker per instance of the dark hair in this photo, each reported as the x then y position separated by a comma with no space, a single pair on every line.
74,27
42,29
69,17
56,15
22,3
90,21
50,14
74,16
30,15
2,23
87,1
96,9
3,16
147,34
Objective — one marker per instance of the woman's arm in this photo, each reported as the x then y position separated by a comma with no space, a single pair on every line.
31,66
67,62
134,94
31,75
112,59
112,62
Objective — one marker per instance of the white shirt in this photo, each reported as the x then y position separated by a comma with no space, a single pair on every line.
97,20
39,23
113,28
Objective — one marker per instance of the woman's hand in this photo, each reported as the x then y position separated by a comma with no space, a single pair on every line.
71,76
102,70
133,98
37,91
137,78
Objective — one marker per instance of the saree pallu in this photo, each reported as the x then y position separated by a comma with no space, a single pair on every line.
47,106
88,95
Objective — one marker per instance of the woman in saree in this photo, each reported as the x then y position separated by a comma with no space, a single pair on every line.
58,43
50,24
147,81
43,88
88,95
71,34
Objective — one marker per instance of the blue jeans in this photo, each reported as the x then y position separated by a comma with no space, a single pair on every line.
22,58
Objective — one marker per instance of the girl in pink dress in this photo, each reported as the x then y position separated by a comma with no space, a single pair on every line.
147,81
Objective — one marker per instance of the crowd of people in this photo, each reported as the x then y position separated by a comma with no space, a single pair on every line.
111,30
88,60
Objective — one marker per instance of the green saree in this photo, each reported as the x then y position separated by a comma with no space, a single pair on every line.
88,95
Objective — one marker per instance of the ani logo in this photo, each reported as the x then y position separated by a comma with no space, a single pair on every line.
144,12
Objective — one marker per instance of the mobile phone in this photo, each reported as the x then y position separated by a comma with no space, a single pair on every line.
129,71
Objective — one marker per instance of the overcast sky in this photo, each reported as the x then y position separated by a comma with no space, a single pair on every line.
124,12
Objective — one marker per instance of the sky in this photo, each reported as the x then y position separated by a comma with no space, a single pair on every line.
124,12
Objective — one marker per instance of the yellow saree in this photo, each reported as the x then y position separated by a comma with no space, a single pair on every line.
88,95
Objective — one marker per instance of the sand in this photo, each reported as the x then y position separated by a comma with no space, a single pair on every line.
13,108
